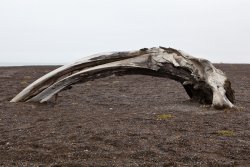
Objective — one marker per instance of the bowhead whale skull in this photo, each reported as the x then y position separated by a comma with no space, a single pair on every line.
201,80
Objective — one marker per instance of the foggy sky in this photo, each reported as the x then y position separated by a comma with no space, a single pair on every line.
61,31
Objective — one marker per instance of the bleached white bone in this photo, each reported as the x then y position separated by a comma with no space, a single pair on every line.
202,81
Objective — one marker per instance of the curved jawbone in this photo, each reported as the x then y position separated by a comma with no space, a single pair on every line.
202,81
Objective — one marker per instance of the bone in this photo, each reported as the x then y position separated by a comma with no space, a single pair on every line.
201,80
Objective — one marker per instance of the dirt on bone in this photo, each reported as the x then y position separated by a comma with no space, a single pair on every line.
229,91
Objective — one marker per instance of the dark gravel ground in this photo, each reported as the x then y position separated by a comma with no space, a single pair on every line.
122,121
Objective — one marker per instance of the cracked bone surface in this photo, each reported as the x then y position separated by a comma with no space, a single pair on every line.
201,80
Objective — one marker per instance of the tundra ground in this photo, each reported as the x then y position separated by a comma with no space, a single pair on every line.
122,121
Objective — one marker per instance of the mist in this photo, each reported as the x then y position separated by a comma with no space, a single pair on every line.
61,31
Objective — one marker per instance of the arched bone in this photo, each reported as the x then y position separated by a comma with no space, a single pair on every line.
201,80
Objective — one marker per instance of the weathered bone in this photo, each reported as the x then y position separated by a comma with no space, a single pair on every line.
201,80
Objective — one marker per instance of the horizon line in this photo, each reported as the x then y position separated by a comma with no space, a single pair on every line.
63,63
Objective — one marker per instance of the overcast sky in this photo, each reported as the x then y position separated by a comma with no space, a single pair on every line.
61,31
